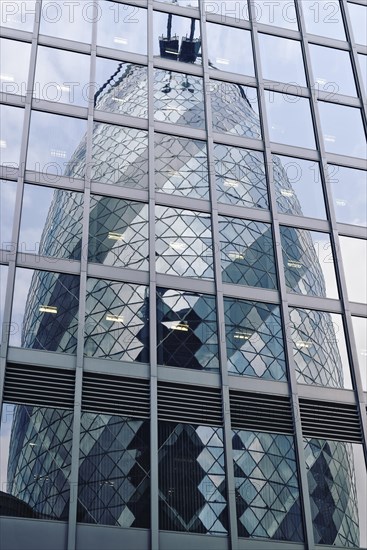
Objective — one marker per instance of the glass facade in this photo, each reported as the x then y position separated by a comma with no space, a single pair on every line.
183,193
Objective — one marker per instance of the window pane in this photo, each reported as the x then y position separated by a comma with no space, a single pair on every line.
254,339
358,17
57,228
363,65
122,27
8,190
308,262
360,335
116,322
176,38
354,255
240,176
224,43
349,190
70,20
279,14
118,232
18,14
230,9
191,473
3,278
282,60
342,129
11,126
36,461
332,70
120,156
247,253
286,115
183,243
323,17
114,488
319,348
45,311
14,63
298,187
187,330
181,166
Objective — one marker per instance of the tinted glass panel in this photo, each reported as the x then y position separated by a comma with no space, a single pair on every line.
349,189
324,17
122,27
3,278
11,126
279,14
177,38
71,20
17,14
281,59
342,130
363,65
14,62
8,191
354,255
332,71
224,43
358,16
360,335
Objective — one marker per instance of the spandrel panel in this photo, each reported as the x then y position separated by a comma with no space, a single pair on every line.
349,192
57,229
8,191
122,27
332,71
324,18
358,17
68,20
354,256
120,156
298,187
308,262
240,176
118,232
247,253
116,321
121,88
254,340
14,63
286,114
184,243
176,38
360,336
319,348
342,130
18,14
11,126
62,76
181,166
281,59
187,330
57,145
45,311
35,461
230,49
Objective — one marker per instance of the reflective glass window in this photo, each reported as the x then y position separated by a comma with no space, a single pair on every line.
282,60
224,45
11,126
3,280
319,348
254,339
342,130
278,14
286,115
187,330
308,262
62,76
337,482
183,243
192,481
358,17
228,10
323,17
266,485
45,311
240,176
114,471
183,3
116,321
179,98
332,71
14,63
247,252
57,145
121,88
18,14
235,109
176,38
57,228
354,255
70,20
349,191
363,65
8,190
36,461
360,336
122,27
181,166
118,232
298,187
120,156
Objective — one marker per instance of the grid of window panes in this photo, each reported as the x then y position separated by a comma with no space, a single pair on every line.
192,198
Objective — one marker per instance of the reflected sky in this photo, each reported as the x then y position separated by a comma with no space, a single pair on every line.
342,130
332,70
14,63
349,192
13,14
354,255
224,43
8,191
122,27
323,17
358,16
183,3
360,335
281,59
276,13
363,66
70,20
11,126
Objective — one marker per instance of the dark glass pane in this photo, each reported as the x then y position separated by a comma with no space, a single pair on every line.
176,38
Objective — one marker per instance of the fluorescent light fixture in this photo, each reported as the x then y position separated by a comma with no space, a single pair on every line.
119,99
3,144
329,138
175,173
294,264
236,255
287,192
321,81
120,40
341,202
116,236
114,318
182,326
6,77
243,334
303,344
48,309
364,352
222,61
32,444
63,88
172,52
58,153
230,183
176,245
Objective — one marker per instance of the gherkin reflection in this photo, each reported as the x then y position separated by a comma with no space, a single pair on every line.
114,485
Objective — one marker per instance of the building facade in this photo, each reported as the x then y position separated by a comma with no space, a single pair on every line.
184,313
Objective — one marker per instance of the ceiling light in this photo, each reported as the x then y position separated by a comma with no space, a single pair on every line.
3,144
243,334
114,318
329,138
236,255
287,192
32,444
303,344
48,309
58,153
6,78
176,245
116,236
119,40
230,183
63,88
364,352
222,61
341,202
182,326
294,264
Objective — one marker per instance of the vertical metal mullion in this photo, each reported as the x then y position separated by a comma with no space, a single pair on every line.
284,309
227,428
